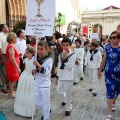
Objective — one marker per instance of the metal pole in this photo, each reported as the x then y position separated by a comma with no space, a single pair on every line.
36,48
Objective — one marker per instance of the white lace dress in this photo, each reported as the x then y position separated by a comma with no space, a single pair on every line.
24,101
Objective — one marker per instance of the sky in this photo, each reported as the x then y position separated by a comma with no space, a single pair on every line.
98,4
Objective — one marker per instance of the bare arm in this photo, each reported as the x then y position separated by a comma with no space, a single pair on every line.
60,45
12,59
103,61
59,42
102,65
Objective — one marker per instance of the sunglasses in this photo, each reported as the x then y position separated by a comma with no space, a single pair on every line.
114,37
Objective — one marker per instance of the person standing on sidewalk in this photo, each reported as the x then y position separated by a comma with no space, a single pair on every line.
21,47
3,44
12,64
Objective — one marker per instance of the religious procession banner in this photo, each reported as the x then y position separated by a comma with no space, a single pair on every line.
94,36
40,17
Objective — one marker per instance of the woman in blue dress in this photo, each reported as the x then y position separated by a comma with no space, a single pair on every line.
111,61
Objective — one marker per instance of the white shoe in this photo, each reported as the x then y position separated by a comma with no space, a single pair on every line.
109,117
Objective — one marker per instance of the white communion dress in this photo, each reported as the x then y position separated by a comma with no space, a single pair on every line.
24,102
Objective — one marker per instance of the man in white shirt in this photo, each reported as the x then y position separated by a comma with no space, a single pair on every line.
3,44
21,46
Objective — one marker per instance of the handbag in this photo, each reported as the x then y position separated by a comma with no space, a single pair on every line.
2,116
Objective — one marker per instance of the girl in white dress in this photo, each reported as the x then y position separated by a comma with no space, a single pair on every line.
24,101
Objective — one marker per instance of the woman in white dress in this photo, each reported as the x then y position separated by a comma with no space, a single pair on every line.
24,101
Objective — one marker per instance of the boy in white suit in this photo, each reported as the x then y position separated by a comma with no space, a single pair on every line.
66,74
42,70
92,61
78,68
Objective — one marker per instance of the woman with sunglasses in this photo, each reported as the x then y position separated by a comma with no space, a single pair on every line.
111,60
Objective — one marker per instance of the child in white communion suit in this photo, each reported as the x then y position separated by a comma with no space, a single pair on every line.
42,69
66,74
24,102
78,68
92,61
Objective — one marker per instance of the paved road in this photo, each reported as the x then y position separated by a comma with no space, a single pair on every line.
85,106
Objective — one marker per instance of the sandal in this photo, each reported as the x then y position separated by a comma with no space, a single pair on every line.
109,117
113,108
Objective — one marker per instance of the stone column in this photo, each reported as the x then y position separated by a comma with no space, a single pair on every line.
2,12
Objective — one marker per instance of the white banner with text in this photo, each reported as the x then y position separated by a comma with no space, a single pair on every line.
40,17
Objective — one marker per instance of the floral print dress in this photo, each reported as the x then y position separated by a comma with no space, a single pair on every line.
112,72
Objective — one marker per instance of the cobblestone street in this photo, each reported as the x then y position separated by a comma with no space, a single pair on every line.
85,106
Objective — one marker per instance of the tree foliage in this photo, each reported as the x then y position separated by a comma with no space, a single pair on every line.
19,24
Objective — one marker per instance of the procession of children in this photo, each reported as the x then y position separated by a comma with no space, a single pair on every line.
68,64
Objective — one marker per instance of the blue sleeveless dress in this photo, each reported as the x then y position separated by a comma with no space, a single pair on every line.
112,72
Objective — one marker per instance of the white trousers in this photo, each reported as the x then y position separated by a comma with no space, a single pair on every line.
42,101
64,90
93,77
78,72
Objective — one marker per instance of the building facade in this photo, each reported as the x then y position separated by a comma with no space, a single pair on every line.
102,21
15,10
12,11
70,8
